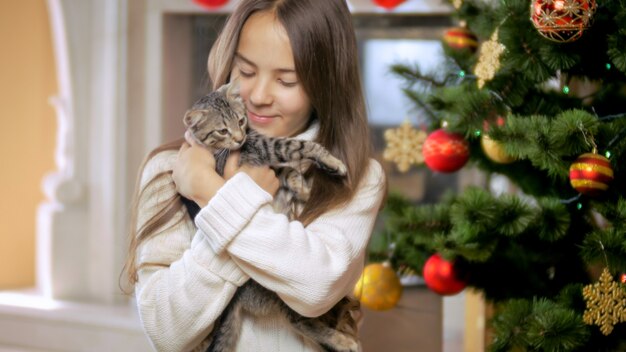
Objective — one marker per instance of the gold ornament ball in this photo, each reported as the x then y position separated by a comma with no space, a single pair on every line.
379,287
494,150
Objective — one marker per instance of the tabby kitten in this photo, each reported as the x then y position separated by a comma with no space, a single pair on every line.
219,121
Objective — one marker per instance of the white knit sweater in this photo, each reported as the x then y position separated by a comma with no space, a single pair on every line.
237,236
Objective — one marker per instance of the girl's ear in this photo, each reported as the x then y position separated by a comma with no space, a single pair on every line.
192,117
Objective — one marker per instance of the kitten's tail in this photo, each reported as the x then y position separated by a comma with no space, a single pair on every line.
227,334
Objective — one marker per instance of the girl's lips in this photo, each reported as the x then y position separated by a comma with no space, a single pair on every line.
257,119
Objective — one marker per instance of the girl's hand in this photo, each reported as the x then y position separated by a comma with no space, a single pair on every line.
264,176
194,174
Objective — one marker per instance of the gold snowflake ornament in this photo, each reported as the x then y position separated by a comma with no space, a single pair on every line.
404,146
489,59
606,303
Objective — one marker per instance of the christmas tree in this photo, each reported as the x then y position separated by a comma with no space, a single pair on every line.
534,90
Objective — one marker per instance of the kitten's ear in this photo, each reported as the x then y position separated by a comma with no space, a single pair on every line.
233,90
223,89
192,117
230,90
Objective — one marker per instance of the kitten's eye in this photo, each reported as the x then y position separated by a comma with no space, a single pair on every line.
241,122
223,131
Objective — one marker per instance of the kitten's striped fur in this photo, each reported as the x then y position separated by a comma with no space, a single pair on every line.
219,121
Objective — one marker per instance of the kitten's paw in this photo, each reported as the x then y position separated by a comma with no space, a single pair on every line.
342,343
334,166
303,195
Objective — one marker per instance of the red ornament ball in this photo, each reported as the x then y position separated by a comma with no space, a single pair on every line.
445,151
442,277
211,4
562,20
591,174
622,278
460,38
388,4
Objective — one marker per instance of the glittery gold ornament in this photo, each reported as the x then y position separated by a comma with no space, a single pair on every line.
379,287
606,303
404,146
495,151
489,59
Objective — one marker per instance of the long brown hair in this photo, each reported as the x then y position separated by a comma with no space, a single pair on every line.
326,62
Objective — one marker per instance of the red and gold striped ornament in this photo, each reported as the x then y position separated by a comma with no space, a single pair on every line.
460,38
445,151
591,174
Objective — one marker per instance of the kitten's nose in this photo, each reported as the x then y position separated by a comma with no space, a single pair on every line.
239,138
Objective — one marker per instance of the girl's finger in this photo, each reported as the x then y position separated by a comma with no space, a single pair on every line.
189,138
183,147
232,164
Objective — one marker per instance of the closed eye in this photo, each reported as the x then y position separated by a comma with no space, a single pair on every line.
288,84
246,74
223,131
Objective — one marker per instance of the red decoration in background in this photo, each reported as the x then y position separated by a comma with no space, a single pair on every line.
591,174
442,277
445,151
622,278
498,121
562,20
388,4
460,38
211,4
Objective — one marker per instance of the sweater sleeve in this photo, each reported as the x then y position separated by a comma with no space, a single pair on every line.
183,285
311,267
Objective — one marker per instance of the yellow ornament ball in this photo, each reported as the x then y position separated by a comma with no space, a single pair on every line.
379,287
494,150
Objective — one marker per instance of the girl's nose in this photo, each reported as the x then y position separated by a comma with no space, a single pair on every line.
260,93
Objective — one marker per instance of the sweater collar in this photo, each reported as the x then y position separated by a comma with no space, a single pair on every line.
311,132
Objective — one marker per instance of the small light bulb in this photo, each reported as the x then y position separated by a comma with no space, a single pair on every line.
566,89
559,4
607,154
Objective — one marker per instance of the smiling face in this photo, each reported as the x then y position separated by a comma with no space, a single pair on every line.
264,66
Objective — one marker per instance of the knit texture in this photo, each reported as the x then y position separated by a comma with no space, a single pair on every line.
196,268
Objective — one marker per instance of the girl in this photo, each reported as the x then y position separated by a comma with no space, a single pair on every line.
296,63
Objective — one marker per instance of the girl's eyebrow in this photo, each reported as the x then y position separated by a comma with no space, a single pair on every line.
238,56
